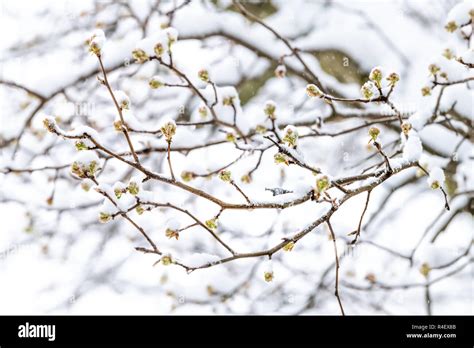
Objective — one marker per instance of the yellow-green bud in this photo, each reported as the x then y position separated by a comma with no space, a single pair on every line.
166,260
406,127
393,78
187,176
313,91
374,133
260,129
133,188
159,50
289,246
104,217
268,276
203,75
376,76
211,224
228,101
281,158
225,175
434,69
80,145
448,54
246,178
425,269
170,233
203,111
230,137
139,209
451,26
291,136
322,183
425,91
156,82
139,55
168,130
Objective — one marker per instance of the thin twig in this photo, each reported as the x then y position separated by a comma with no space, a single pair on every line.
336,287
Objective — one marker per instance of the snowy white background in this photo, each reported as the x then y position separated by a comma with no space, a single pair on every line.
56,257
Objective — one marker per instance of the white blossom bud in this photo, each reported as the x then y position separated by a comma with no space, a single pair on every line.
122,99
369,90
96,42
436,178
280,71
168,129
